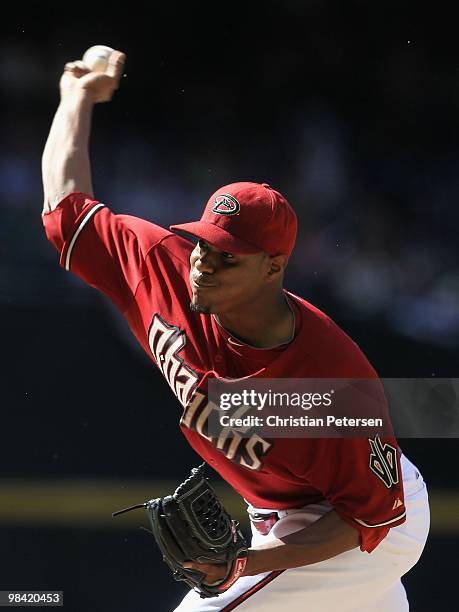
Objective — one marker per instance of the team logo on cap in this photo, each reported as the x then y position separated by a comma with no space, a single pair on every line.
226,204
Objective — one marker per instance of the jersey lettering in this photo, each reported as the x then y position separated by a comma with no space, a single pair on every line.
254,448
165,342
383,461
245,451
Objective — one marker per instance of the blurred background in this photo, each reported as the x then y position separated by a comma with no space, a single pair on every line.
351,111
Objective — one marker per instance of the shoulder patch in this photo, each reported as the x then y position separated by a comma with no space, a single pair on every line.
383,461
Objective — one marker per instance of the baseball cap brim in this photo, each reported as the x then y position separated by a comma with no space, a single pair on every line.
216,236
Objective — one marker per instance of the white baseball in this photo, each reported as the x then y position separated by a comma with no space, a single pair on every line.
96,58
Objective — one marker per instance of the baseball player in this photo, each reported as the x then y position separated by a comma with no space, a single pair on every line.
336,522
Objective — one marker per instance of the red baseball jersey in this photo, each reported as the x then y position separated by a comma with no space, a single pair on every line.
144,269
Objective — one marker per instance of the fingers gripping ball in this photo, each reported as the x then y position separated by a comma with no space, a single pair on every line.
96,57
192,525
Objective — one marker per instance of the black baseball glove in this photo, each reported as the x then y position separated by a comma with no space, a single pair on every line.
192,525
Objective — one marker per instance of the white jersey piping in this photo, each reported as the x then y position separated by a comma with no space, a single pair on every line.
77,233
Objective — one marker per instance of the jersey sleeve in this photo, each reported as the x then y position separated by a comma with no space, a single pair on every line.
362,480
106,250
360,476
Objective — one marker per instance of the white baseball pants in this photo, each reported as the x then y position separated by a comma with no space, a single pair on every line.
353,581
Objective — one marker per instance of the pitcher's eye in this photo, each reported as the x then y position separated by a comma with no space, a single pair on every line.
227,255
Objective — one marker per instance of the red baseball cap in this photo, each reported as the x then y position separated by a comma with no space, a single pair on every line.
246,218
